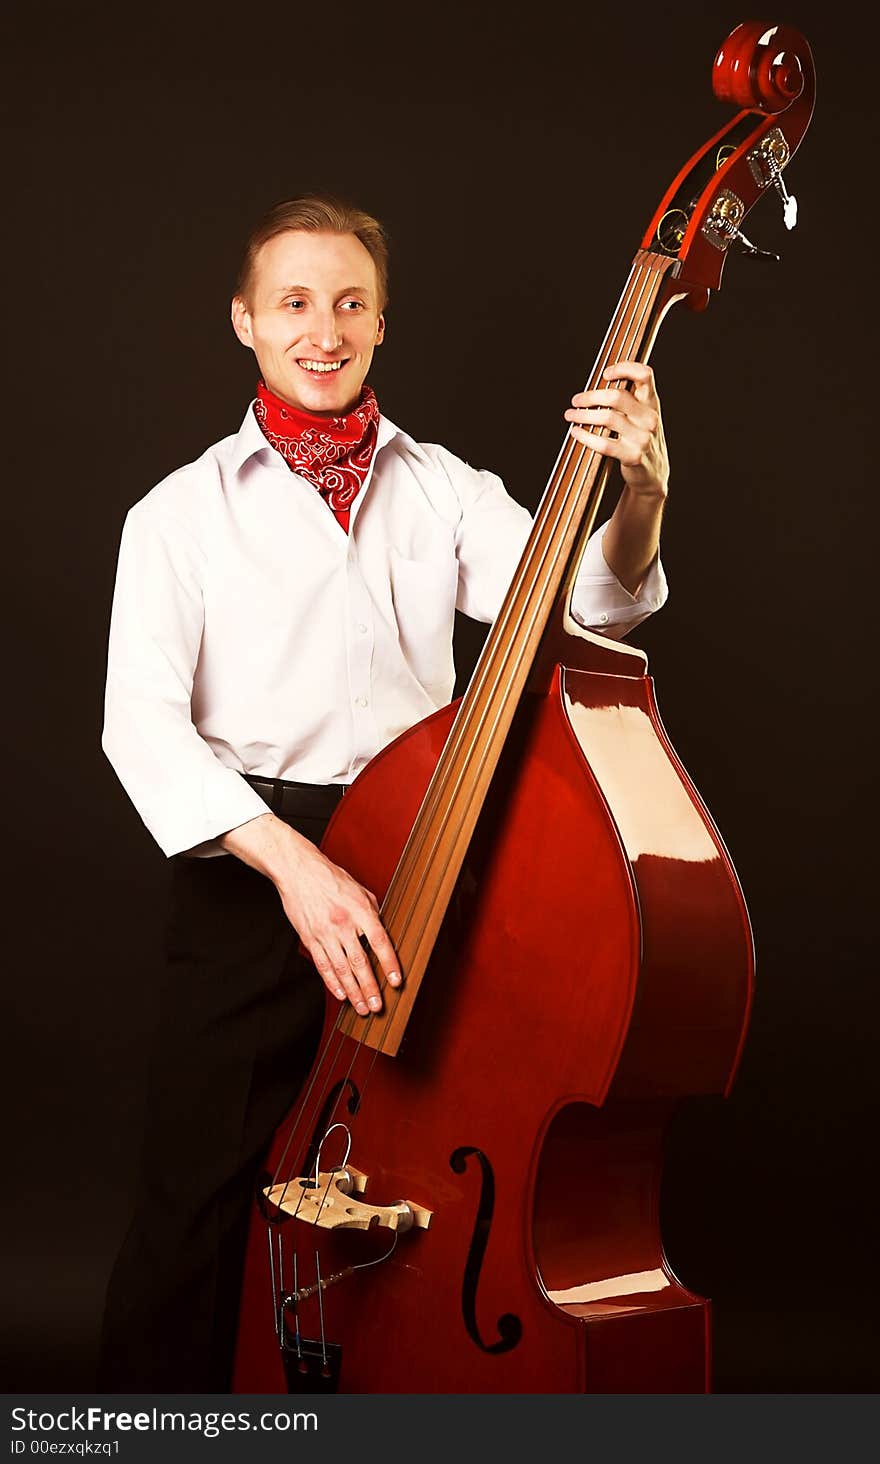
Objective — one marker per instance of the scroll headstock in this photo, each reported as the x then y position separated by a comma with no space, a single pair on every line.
767,70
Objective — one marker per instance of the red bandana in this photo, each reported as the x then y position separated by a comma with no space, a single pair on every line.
333,453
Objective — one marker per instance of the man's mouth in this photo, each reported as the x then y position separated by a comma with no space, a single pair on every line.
321,368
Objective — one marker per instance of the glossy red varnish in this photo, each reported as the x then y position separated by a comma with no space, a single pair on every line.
542,1038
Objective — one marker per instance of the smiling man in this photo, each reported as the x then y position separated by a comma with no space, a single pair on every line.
284,608
314,342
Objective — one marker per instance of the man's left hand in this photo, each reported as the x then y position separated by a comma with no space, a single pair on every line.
634,417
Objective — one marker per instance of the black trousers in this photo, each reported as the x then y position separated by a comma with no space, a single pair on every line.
240,1017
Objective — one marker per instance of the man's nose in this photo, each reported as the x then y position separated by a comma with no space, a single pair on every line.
326,332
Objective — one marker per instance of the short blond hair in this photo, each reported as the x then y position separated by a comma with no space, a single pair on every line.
317,213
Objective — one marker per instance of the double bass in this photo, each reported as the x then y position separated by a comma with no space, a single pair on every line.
465,1196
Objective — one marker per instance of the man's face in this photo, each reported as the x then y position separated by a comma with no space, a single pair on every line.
312,319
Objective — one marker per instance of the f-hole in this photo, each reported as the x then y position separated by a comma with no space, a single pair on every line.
509,1326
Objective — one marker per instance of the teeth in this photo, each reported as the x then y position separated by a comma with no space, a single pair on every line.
322,365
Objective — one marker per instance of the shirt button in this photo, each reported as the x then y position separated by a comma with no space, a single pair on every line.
360,701
362,629
603,618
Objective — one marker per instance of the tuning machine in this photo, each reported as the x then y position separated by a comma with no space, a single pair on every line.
722,226
766,161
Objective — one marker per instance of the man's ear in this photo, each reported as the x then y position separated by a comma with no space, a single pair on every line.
241,321
380,330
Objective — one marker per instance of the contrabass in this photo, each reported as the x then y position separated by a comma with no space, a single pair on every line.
465,1197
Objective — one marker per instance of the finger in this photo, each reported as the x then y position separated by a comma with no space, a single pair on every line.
600,416
342,975
324,967
376,934
599,396
629,449
362,972
639,418
616,396
638,372
609,446
605,397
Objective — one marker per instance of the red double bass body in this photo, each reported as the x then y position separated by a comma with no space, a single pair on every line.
593,969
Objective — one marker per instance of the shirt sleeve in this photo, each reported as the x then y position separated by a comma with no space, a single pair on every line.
599,602
490,538
183,793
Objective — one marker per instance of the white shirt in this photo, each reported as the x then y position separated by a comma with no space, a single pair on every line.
250,634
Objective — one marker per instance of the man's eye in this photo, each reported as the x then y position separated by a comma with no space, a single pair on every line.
295,304
353,305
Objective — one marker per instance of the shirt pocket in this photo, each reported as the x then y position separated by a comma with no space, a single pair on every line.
423,592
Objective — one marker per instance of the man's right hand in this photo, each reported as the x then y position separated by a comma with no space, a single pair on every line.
328,909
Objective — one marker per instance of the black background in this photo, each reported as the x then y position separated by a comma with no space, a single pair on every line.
516,162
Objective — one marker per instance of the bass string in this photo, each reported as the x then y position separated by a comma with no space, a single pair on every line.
295,1130
436,815
630,327
413,854
438,819
621,325
494,667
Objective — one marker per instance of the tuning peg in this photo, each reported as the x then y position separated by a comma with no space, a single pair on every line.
766,162
789,202
745,246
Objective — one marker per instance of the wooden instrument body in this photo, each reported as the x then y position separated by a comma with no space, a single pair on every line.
594,967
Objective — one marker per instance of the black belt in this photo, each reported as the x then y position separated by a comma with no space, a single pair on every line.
297,800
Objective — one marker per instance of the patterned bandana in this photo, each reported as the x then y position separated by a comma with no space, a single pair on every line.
333,453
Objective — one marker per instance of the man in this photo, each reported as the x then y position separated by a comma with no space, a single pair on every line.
284,608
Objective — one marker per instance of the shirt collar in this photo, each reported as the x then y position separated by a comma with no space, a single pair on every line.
249,439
